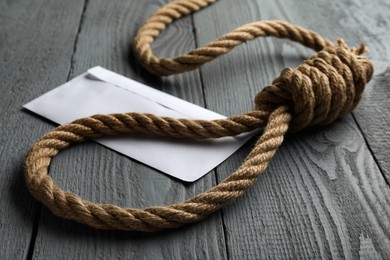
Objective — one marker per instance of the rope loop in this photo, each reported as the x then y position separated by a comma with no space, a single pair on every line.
323,88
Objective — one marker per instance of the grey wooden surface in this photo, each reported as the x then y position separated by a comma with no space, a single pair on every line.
325,195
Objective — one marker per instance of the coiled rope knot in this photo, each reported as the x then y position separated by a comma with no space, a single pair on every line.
324,87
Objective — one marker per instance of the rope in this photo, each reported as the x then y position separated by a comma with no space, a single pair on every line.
326,86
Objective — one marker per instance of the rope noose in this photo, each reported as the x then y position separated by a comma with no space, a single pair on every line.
323,88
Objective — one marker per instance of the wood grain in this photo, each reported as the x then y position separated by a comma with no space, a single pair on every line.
320,196
372,116
35,50
323,195
101,175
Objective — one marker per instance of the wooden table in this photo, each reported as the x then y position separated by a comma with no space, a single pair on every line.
325,195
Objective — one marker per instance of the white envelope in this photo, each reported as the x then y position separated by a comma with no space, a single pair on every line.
100,91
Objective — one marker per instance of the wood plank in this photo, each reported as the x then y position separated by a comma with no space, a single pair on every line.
323,195
372,116
320,196
101,175
35,50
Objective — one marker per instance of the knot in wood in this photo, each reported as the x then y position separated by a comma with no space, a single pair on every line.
324,87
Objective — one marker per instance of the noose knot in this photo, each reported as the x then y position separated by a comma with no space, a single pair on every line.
324,87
